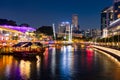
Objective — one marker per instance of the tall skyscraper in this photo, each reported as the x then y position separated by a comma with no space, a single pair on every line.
75,22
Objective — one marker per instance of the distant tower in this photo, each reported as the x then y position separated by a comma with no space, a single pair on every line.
75,22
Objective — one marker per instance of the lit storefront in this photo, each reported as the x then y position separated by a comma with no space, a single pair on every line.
114,28
12,34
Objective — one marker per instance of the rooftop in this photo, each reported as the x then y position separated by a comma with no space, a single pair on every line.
18,28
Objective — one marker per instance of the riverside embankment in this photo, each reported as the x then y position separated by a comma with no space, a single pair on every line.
113,52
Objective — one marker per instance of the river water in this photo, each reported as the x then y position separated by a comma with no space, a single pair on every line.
70,62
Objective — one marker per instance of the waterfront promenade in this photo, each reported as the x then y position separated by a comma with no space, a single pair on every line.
115,53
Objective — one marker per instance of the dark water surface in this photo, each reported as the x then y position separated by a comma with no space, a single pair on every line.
61,63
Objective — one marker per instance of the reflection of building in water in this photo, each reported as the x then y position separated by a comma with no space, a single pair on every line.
6,65
38,63
25,69
67,62
53,62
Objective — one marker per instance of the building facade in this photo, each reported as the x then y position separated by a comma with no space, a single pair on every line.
110,20
64,27
92,33
116,8
8,34
106,17
75,23
114,28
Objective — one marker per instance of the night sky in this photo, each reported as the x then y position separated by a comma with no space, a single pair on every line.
45,12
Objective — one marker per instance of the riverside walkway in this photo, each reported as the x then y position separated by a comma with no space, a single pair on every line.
113,52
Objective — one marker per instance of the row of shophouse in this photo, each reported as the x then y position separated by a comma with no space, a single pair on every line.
12,34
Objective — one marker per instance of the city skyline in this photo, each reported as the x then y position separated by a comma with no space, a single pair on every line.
39,13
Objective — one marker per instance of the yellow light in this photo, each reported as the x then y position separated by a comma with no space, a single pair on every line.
25,69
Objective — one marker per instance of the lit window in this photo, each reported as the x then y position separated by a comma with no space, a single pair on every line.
111,16
118,6
118,16
116,11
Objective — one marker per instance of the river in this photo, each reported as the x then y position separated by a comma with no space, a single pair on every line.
69,62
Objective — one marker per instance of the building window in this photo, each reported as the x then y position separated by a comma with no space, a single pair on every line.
118,6
116,11
118,16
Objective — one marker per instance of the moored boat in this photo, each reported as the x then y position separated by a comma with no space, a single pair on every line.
28,50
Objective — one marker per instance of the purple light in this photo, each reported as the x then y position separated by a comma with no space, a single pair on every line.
21,29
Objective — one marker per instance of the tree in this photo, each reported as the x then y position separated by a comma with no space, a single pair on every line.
12,23
7,22
48,30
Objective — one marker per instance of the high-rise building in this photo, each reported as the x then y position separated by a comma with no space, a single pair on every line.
64,31
110,18
61,28
64,27
107,16
75,22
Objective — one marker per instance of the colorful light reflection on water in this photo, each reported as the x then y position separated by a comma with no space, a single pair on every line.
61,63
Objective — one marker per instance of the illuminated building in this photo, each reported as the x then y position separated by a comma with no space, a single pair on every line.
116,9
92,33
75,22
106,17
114,28
8,33
105,33
64,29
110,19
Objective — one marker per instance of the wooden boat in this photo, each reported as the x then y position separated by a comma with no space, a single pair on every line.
28,50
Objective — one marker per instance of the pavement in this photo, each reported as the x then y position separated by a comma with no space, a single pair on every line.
109,50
